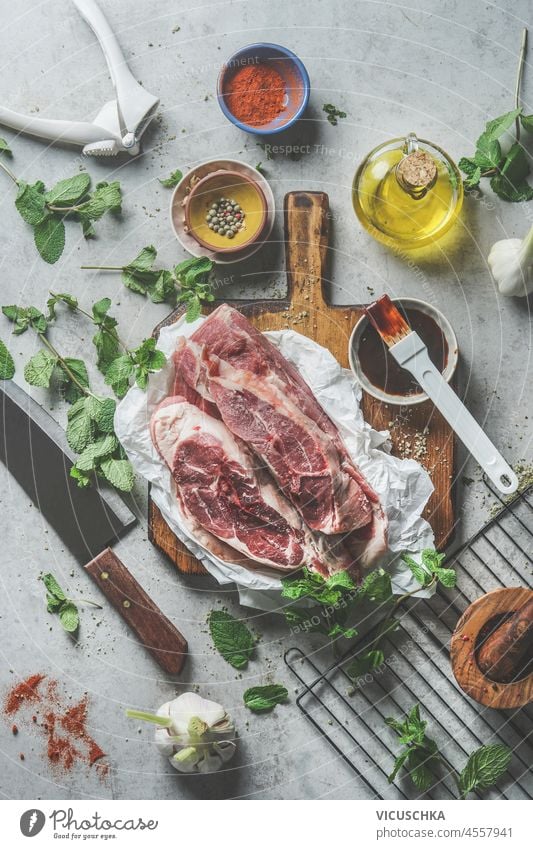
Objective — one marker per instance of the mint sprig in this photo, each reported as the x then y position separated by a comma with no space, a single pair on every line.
430,572
47,210
90,428
58,602
119,364
507,171
188,282
423,760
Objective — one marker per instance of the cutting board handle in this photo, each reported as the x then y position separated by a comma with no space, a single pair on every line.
306,246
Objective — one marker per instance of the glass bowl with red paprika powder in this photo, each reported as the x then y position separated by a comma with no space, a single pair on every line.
263,89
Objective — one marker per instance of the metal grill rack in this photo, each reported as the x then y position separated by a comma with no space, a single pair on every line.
417,669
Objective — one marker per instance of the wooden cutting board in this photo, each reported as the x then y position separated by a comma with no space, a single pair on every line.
418,431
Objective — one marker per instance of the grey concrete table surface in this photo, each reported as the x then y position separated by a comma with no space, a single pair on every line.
438,68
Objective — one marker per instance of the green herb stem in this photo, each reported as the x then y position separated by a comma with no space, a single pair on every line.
103,267
9,172
519,74
101,326
86,601
64,366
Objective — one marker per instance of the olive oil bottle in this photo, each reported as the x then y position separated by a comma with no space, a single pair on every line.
407,192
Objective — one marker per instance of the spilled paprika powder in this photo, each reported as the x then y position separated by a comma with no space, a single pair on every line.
256,94
64,726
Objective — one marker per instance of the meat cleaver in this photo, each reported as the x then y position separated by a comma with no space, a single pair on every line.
35,451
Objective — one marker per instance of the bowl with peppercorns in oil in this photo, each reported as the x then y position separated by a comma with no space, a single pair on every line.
226,211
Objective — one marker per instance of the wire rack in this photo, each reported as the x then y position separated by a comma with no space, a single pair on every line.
417,669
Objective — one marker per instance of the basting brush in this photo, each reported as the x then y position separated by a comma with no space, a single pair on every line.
410,353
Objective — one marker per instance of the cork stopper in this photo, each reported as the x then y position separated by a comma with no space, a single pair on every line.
417,172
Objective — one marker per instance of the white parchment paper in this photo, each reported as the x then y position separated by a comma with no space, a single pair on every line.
403,485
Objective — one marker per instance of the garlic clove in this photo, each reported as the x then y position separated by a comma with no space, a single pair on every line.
211,762
226,749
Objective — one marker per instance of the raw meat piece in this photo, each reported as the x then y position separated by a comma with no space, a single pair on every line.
231,337
220,489
303,459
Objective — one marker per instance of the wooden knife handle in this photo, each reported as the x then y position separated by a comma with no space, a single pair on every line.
306,244
154,630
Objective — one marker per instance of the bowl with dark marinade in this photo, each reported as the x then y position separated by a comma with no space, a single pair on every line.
378,372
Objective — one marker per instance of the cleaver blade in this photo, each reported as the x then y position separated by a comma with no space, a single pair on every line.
35,451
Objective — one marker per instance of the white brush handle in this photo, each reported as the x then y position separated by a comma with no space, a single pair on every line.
411,353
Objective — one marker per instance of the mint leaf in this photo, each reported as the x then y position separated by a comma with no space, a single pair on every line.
49,237
69,191
119,473
194,308
164,288
53,587
69,616
420,573
447,577
398,763
365,663
38,370
31,203
419,763
119,373
58,298
82,478
4,148
103,447
231,638
473,181
510,183
7,364
265,698
527,122
339,630
488,152
102,412
70,390
172,180
193,271
143,261
484,767
24,317
497,127
53,605
376,587
80,426
107,197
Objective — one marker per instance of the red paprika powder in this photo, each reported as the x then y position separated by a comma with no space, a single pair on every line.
64,726
256,94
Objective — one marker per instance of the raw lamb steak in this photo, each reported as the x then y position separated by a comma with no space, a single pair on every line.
228,335
222,492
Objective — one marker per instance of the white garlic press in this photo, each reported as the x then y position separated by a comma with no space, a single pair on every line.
120,123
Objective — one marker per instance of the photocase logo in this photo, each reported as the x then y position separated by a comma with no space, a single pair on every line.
32,822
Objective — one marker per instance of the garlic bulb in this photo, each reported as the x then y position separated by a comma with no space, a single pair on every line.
510,261
195,734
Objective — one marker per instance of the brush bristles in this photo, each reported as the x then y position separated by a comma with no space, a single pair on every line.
388,321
